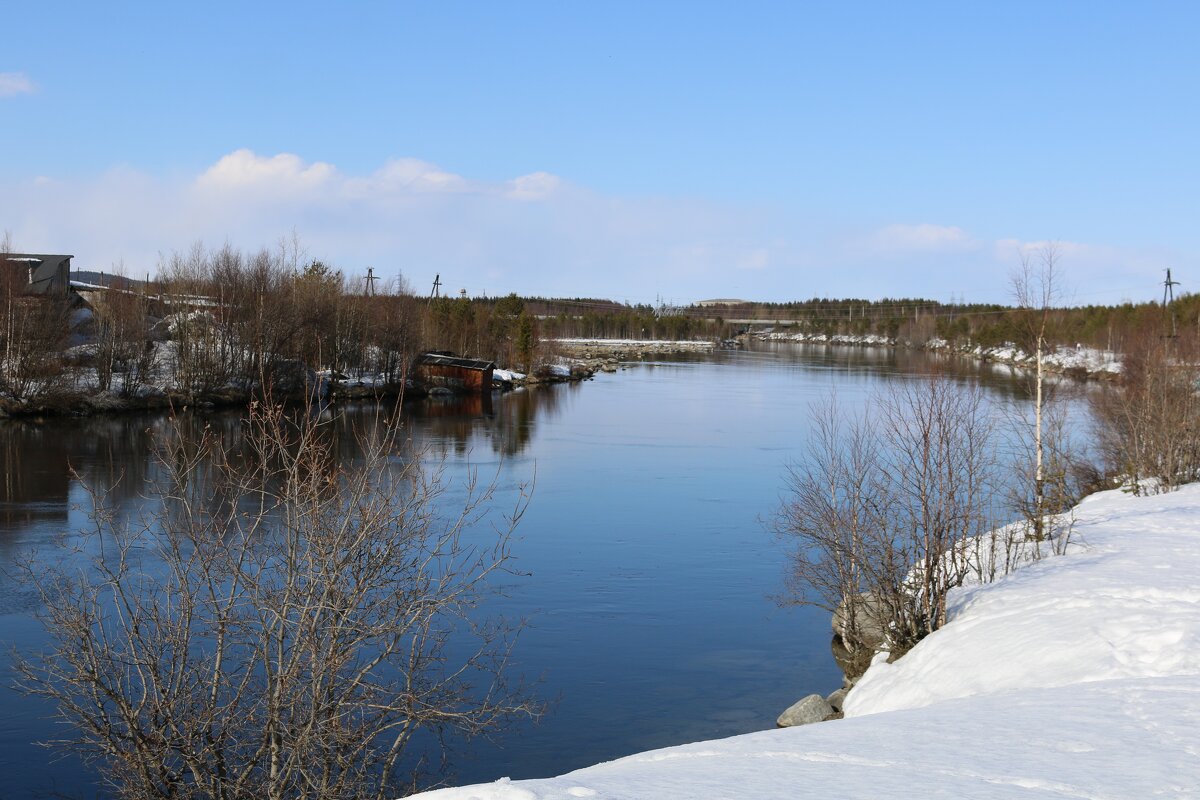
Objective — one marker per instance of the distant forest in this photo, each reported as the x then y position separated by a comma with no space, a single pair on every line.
229,317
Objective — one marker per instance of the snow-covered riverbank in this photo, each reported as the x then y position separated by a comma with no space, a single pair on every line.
1077,360
1075,677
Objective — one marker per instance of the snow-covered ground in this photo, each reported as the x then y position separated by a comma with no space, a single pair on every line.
1088,359
1074,677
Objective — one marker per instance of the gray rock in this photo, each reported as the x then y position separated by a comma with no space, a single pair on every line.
868,629
857,640
811,709
836,699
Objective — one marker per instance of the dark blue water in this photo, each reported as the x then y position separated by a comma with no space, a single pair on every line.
651,571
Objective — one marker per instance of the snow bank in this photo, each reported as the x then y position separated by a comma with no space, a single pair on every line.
1087,359
1075,677
860,339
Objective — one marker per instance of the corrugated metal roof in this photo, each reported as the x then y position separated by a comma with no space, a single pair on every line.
444,360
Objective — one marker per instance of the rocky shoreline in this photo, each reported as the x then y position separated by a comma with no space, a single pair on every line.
606,355
854,647
1078,362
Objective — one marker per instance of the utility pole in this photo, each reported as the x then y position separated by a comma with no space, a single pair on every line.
371,281
437,283
1169,300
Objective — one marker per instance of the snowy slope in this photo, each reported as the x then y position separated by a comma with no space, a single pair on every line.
1077,677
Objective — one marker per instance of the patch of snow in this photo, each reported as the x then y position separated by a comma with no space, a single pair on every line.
1075,676
687,344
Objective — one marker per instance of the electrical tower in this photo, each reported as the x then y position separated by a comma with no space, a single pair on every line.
437,285
371,281
1168,301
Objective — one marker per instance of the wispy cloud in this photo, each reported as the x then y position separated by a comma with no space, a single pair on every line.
14,83
923,238
534,234
757,259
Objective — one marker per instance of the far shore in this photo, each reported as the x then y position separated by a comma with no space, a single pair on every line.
585,357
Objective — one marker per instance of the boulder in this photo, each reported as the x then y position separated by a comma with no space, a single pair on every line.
867,628
836,699
856,641
813,708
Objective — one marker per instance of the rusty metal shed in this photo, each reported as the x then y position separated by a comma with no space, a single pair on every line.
452,372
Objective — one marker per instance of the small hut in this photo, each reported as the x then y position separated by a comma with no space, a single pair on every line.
448,371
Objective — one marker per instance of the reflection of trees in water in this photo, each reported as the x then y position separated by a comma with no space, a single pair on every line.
111,454
187,473
507,422
34,479
125,457
1005,380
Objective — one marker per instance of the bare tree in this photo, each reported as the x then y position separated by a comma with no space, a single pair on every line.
282,627
1036,288
123,347
883,509
1149,426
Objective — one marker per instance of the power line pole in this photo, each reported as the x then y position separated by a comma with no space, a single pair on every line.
371,281
1169,300
437,283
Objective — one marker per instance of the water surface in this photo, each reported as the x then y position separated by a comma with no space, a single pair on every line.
651,575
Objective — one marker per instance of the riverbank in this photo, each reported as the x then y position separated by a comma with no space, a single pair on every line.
607,355
1076,676
577,359
1076,362
76,392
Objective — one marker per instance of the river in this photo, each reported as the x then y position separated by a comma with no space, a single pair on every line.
652,574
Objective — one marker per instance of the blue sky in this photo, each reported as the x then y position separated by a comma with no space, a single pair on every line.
627,150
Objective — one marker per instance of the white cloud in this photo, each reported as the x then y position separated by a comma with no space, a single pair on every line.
924,237
285,172
409,175
14,83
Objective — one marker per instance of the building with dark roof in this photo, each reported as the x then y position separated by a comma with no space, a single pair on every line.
42,274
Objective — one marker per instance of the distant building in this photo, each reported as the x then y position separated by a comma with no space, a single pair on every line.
48,275
712,303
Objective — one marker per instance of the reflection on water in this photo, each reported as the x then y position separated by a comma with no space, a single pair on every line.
650,573
505,422
34,478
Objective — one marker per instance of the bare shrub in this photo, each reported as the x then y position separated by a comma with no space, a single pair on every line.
882,509
282,627
122,341
1149,427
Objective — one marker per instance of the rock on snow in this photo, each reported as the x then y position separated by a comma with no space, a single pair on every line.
1076,677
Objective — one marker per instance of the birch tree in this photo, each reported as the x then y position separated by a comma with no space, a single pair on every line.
1036,288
